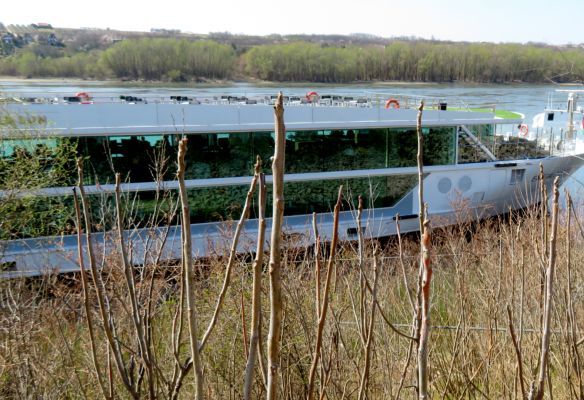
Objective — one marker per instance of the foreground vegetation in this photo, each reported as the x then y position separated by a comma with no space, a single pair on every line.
289,60
493,310
46,350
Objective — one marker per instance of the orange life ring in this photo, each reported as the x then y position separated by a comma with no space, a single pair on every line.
523,130
393,103
312,96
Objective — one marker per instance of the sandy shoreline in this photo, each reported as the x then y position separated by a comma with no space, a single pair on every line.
89,82
12,80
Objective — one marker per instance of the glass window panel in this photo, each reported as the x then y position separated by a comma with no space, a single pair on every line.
262,144
220,155
136,157
304,151
321,196
439,146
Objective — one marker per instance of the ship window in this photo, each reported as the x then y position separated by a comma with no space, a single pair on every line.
517,176
550,116
224,203
231,154
50,216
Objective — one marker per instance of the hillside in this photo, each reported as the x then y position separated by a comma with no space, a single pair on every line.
41,50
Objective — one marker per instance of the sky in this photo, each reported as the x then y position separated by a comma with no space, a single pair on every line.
518,21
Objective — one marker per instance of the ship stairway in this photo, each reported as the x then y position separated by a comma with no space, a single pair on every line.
468,141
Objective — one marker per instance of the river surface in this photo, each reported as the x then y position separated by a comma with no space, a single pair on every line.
525,99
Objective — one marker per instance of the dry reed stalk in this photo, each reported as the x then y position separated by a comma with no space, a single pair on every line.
145,353
571,313
325,300
420,162
232,255
549,291
275,274
316,263
516,346
107,317
402,263
581,229
425,271
413,308
110,372
365,377
544,211
420,165
544,241
362,320
156,264
317,294
425,312
180,370
254,350
85,290
187,258
243,318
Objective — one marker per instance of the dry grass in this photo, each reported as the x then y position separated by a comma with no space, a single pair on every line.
45,350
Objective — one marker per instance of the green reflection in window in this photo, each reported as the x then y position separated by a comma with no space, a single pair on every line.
137,158
440,146
231,154
321,196
226,203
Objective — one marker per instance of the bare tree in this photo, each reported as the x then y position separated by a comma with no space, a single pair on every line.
275,251
425,271
257,286
325,300
539,390
107,317
86,301
145,353
187,263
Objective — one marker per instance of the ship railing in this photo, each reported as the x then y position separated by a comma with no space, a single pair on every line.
364,99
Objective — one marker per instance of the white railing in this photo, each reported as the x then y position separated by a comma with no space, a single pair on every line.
366,99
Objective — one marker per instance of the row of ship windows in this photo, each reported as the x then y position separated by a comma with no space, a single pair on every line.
220,155
55,216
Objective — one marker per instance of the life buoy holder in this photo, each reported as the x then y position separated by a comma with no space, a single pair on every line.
392,103
312,96
523,130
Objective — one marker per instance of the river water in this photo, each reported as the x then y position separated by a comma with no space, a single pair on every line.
525,99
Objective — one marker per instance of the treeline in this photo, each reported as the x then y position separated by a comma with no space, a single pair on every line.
398,60
142,59
177,60
416,61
